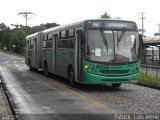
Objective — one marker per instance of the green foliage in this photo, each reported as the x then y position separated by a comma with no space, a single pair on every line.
18,39
149,79
5,35
106,16
49,25
2,27
34,29
16,36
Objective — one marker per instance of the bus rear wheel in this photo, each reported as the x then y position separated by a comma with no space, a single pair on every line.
116,84
71,78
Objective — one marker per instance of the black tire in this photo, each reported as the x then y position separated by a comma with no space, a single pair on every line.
71,77
46,73
116,85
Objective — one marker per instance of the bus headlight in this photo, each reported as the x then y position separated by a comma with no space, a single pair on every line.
86,66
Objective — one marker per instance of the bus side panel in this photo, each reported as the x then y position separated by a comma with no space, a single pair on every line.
47,56
64,58
61,62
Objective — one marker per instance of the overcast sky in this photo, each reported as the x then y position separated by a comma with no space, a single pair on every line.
68,11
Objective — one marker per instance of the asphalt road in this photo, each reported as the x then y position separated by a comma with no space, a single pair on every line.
40,98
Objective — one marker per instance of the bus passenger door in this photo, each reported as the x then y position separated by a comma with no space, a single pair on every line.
55,38
35,52
80,51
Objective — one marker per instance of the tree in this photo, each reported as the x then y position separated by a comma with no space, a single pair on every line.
50,25
16,36
18,39
106,15
5,35
35,29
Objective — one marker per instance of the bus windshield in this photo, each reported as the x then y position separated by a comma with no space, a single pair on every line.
112,46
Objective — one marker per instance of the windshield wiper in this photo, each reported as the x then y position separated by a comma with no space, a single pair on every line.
104,39
120,38
134,46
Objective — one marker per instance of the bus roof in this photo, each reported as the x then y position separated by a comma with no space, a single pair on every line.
76,24
33,35
81,23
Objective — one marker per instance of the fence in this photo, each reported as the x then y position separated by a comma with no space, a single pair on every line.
152,67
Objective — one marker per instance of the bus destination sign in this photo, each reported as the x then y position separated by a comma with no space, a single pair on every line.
120,25
111,25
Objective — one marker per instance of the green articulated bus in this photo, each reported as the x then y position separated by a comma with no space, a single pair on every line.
89,52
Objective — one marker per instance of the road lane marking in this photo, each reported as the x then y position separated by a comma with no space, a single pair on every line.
96,103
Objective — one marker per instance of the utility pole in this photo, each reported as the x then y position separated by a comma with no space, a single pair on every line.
26,15
142,18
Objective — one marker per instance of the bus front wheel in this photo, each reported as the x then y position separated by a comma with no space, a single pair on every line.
71,77
116,85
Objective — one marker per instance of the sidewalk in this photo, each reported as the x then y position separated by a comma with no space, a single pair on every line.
5,111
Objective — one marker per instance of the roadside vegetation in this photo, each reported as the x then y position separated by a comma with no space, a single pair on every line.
13,40
149,80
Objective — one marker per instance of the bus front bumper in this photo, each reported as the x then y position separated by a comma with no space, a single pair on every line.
98,79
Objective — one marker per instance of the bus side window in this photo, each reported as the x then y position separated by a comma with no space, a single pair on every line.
44,40
49,40
49,36
71,36
31,44
71,33
63,39
71,43
59,40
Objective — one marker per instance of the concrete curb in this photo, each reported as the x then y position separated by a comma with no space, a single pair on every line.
150,66
149,85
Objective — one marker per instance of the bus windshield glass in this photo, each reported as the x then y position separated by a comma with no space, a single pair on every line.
112,46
